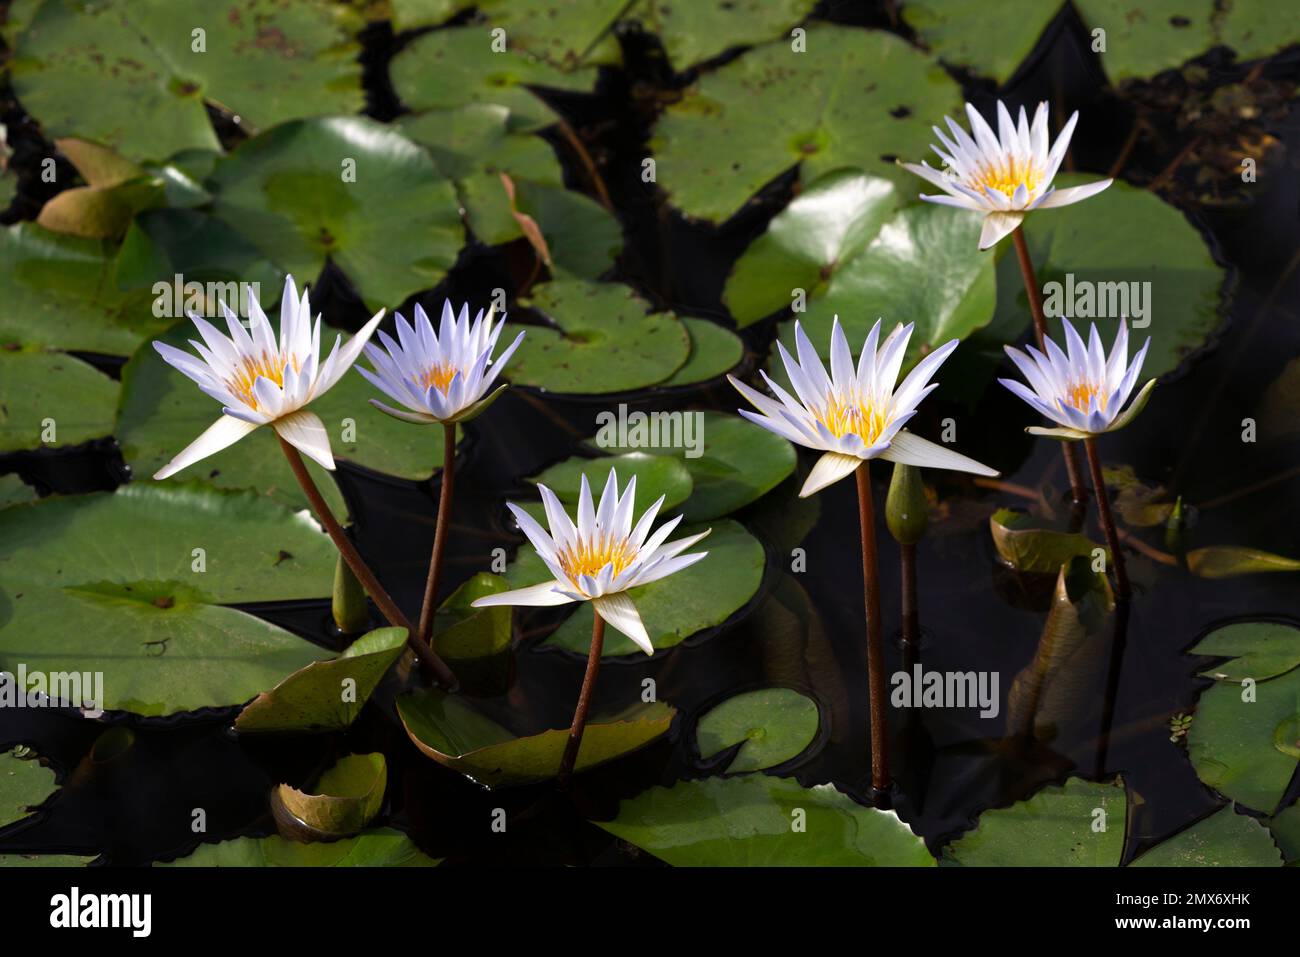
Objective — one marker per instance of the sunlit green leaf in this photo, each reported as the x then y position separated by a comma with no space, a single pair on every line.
771,726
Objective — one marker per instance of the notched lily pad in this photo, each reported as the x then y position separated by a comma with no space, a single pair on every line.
449,730
24,784
52,400
380,847
772,726
1224,839
655,475
346,798
715,351
326,695
753,821
1256,649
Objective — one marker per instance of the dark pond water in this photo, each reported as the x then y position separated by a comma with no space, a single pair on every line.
804,630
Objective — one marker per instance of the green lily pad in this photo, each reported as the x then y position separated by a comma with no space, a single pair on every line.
162,412
1257,649
738,462
1234,746
1228,561
343,189
464,634
673,608
761,821
49,395
1146,37
824,228
129,74
655,475
1028,547
1285,825
164,243
962,33
44,860
600,340
24,784
715,351
14,491
326,695
774,724
854,98
892,278
381,847
694,32
60,294
1254,30
567,36
1057,827
1224,839
411,14
1122,235
454,67
449,730
346,798
110,583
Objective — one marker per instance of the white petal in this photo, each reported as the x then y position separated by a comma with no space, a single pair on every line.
618,610
224,432
998,226
910,449
1073,194
538,596
306,432
830,468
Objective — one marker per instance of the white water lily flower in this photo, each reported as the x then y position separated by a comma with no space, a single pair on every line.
1002,176
600,557
854,415
1082,390
439,376
261,381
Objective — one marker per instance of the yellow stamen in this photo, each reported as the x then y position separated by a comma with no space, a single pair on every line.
265,366
856,416
1081,393
588,558
439,376
1007,176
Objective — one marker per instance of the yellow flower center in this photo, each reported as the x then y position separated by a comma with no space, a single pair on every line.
1081,393
265,366
438,376
1007,176
853,416
588,558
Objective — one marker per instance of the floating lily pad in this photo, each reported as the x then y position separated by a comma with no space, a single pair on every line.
565,35
737,463
164,243
381,847
1234,744
1224,839
1257,649
346,798
673,608
854,98
464,634
656,475
477,139
1057,827
771,726
24,783
1123,235
761,821
824,228
162,412
891,278
60,294
449,730
112,583
52,400
457,66
1255,30
962,33
14,491
1028,547
1285,826
134,76
410,14
715,351
1229,561
343,189
326,695
601,340
693,32
1146,37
